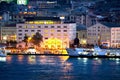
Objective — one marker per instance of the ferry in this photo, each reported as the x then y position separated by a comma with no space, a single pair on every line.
91,53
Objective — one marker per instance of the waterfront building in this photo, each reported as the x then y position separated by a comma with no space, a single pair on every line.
53,30
105,34
82,34
8,33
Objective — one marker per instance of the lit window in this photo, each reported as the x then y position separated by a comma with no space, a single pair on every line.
25,27
52,30
58,34
45,30
46,34
32,26
65,34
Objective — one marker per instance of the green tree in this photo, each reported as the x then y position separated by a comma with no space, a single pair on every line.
37,39
26,39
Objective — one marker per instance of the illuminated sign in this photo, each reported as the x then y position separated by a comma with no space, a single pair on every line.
24,2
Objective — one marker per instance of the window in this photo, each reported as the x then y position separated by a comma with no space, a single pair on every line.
32,26
32,30
20,34
46,26
26,30
39,30
52,26
39,26
20,30
65,26
20,37
20,26
58,27
65,30
46,37
58,30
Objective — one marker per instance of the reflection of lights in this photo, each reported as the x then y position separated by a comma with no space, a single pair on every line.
79,58
85,60
63,58
9,58
32,59
3,59
117,60
20,58
4,37
68,67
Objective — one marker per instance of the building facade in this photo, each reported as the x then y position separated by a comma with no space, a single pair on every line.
98,34
62,32
8,33
105,34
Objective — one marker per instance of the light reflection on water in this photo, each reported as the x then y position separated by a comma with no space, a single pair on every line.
24,67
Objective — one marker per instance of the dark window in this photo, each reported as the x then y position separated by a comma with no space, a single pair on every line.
39,30
20,30
52,26
20,34
46,26
65,30
20,37
20,26
32,30
65,26
26,30
58,30
58,26
39,26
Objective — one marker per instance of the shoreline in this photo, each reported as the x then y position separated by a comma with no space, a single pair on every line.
80,56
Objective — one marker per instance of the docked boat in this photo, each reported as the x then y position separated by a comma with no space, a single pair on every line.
95,52
3,52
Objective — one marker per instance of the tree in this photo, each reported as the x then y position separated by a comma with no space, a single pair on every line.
76,41
37,39
26,39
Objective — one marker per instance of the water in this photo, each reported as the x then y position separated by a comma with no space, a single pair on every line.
24,67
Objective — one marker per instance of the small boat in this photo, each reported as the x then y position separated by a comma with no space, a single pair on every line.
2,54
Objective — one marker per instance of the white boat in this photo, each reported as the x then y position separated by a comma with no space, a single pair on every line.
2,52
76,52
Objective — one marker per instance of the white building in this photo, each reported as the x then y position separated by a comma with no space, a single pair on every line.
65,32
104,34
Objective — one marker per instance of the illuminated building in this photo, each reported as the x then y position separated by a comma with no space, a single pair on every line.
8,32
106,34
54,32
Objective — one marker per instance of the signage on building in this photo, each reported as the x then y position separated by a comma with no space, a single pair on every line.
24,2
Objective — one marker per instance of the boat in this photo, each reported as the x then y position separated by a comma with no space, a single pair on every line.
76,52
3,52
91,53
